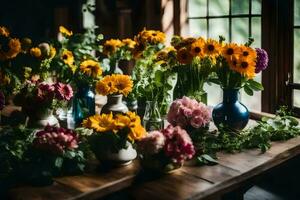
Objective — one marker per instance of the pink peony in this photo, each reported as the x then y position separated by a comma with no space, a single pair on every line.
188,112
152,143
55,140
63,91
178,144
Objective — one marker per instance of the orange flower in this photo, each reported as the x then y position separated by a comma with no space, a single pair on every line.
184,56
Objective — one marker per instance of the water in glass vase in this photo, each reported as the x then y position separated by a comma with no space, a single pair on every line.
152,119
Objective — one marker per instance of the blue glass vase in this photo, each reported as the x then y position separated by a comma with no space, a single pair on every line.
231,113
83,104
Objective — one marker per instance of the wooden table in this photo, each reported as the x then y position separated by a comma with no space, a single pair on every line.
233,172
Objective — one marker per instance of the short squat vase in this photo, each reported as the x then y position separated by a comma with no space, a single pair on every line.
231,113
121,157
115,105
83,104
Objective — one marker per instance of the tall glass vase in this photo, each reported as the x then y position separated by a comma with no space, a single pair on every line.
152,119
231,113
83,104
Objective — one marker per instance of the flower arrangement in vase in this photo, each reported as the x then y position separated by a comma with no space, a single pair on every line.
116,50
114,86
236,67
113,136
53,152
76,63
166,150
195,60
153,75
38,100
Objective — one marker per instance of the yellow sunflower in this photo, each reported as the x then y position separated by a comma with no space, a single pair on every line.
231,50
91,68
150,37
197,47
212,48
106,86
122,121
136,132
123,83
184,56
129,43
246,67
111,46
68,58
248,52
4,31
100,123
36,52
65,31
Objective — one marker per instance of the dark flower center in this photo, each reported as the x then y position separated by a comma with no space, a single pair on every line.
65,57
184,56
154,34
229,51
211,47
197,50
245,53
244,65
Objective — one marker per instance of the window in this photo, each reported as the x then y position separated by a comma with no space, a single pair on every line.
296,65
237,20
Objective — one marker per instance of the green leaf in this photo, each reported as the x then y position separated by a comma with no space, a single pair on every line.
255,85
248,90
58,162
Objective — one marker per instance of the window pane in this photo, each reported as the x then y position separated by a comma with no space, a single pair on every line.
297,12
214,94
218,27
256,31
197,8
297,56
256,7
252,102
198,27
297,98
240,6
240,30
218,7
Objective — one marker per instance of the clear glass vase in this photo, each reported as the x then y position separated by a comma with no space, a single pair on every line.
152,119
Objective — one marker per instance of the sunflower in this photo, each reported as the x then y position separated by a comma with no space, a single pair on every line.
136,132
184,56
150,37
65,31
123,84
197,47
230,50
91,68
68,58
212,48
12,50
111,46
106,86
246,67
4,31
129,43
100,123
122,121
36,52
248,52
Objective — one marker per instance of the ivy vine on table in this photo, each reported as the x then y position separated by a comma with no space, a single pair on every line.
282,127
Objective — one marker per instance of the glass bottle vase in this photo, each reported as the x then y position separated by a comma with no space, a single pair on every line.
152,119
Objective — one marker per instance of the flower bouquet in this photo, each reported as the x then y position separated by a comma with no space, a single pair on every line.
114,87
236,67
195,59
113,136
116,50
38,100
53,152
165,150
154,78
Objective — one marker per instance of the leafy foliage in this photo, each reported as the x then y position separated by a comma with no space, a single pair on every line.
282,127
